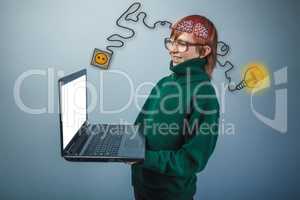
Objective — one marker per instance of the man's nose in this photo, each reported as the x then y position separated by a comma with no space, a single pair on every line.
173,49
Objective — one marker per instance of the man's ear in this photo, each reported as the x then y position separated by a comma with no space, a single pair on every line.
205,51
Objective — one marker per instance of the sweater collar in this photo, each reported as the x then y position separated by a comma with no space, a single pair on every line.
193,66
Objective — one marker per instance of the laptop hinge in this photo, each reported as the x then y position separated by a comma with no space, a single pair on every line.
78,142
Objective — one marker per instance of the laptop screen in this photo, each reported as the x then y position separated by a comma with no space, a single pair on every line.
73,107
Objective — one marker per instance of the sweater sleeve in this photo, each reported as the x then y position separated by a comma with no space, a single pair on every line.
193,156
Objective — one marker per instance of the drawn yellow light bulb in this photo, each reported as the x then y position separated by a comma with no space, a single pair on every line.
256,77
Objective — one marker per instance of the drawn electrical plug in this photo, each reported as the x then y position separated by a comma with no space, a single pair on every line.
101,58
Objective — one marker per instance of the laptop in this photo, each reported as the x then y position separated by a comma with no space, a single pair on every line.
84,141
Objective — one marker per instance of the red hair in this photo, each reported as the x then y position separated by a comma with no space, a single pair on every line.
204,33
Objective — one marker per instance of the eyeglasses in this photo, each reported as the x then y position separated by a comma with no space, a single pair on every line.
182,46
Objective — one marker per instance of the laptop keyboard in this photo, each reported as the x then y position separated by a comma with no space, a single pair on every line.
104,146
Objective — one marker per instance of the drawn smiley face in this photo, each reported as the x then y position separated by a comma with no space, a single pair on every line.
101,58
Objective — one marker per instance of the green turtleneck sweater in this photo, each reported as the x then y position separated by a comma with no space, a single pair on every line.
180,124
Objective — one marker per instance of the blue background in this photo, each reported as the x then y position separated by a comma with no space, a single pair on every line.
256,162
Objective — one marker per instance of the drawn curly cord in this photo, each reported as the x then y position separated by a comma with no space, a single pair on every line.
224,50
127,14
133,8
